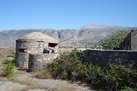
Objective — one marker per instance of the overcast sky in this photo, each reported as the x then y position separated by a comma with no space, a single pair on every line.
62,14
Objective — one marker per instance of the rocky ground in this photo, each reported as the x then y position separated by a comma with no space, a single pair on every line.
26,82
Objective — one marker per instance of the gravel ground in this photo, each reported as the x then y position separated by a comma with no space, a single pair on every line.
12,86
25,82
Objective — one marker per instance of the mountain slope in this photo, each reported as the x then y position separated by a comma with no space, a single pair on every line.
84,36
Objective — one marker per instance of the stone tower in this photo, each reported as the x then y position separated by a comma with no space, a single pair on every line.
34,43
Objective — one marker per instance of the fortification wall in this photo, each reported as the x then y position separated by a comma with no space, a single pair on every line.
30,45
24,47
69,49
22,60
103,57
40,61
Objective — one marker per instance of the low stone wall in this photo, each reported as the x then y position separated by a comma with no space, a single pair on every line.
103,57
40,61
22,60
69,49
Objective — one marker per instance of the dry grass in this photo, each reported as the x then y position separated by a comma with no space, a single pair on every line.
47,84
27,80
2,78
31,82
5,52
42,74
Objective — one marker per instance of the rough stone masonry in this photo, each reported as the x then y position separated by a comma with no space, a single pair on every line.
35,50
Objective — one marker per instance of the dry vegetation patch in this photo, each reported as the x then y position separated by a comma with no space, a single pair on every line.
47,84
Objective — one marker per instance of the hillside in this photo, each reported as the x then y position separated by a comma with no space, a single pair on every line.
85,36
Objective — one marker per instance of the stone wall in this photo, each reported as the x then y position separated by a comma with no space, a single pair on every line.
65,49
30,45
26,46
69,49
103,57
40,61
134,40
22,60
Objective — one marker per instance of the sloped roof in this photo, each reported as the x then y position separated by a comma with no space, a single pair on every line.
39,36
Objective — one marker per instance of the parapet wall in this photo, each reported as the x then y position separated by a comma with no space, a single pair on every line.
103,57
69,49
40,61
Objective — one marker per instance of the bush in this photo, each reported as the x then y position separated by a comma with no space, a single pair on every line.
68,66
72,67
117,77
111,41
127,89
9,69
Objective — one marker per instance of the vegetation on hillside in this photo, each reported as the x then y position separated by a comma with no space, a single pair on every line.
111,41
72,67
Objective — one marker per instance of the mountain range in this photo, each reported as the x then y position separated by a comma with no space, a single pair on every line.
85,36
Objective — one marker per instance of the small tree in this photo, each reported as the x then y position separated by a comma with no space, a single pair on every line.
111,41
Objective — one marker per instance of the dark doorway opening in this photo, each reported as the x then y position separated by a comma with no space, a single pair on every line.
52,44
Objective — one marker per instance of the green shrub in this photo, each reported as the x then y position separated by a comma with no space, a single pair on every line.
73,67
9,69
67,66
117,77
127,89
111,41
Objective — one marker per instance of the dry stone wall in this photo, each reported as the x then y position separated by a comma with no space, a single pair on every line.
69,49
40,61
26,46
103,57
22,60
33,46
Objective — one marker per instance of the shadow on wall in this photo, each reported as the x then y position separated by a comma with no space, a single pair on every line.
104,57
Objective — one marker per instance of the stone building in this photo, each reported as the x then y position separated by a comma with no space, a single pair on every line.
35,50
130,42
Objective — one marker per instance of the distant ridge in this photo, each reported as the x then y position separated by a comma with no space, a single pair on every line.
97,26
85,36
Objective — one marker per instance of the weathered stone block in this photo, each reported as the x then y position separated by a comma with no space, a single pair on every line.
40,61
